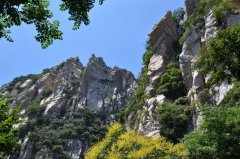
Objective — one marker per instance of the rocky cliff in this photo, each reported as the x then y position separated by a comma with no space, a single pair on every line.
67,108
165,50
82,100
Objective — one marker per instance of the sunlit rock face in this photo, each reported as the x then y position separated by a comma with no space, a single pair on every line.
103,87
64,92
164,33
161,40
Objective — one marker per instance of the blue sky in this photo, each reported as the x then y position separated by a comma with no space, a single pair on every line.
118,32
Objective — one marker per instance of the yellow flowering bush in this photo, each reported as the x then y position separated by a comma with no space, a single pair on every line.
122,144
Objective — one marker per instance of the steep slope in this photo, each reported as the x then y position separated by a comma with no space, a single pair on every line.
170,84
67,108
163,44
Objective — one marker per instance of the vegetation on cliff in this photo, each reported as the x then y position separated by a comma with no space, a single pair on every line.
120,143
220,57
52,135
218,135
8,134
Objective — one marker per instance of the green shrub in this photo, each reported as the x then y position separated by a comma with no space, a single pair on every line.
178,14
183,38
35,110
47,92
171,83
174,120
217,137
138,97
204,97
47,70
146,57
182,101
221,57
220,8
33,77
88,126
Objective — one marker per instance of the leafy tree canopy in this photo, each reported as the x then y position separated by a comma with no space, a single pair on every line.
36,12
218,136
8,135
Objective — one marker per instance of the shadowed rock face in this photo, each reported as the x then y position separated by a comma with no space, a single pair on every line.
65,90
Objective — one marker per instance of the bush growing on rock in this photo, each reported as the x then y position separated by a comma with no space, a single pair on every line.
119,143
178,14
171,83
174,120
221,57
218,135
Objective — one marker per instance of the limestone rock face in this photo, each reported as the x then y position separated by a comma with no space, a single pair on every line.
220,91
67,89
210,27
162,36
161,40
149,126
191,48
103,87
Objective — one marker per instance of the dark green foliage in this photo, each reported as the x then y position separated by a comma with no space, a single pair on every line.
35,110
220,8
183,38
204,97
171,83
46,70
178,14
221,57
174,120
147,56
33,77
47,92
120,117
36,12
86,126
217,137
138,97
182,101
232,98
8,135
75,82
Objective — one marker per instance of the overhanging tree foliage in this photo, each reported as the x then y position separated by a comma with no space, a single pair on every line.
36,12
